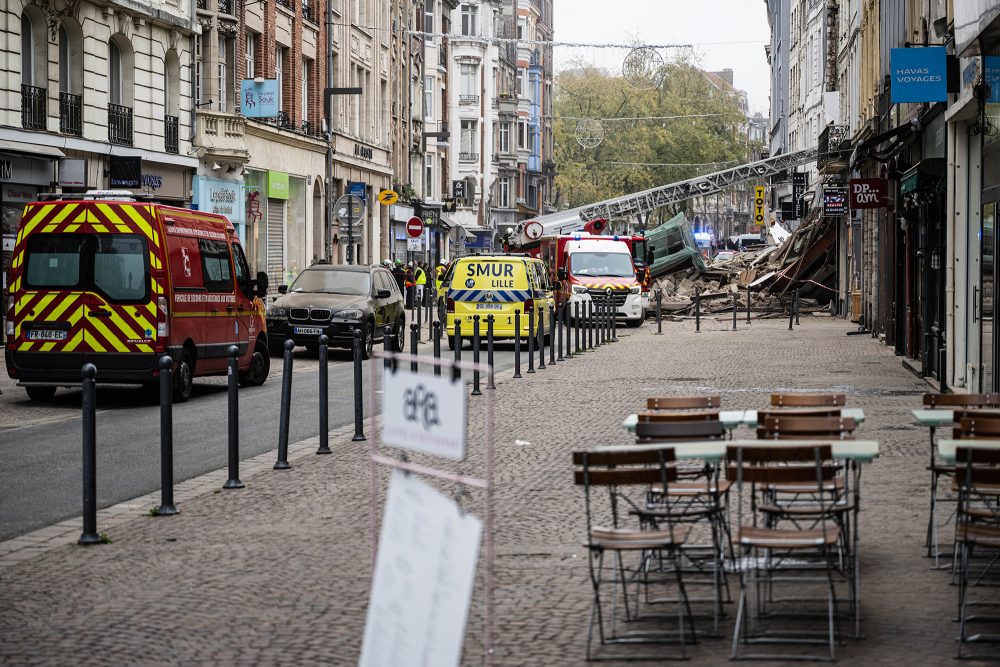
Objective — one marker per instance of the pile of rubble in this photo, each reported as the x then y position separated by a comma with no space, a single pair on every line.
806,261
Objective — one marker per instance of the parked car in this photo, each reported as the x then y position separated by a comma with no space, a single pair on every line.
336,300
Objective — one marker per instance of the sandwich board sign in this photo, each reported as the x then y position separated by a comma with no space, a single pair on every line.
425,413
424,574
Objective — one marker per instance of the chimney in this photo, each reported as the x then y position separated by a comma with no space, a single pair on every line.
727,75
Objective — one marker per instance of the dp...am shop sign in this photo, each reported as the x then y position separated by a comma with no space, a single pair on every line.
919,74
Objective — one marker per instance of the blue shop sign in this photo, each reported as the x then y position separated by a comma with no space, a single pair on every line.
919,74
259,99
991,65
358,189
217,195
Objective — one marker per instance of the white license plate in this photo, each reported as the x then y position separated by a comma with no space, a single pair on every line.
46,334
309,331
489,306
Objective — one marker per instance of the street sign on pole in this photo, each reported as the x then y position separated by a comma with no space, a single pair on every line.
414,227
349,210
387,197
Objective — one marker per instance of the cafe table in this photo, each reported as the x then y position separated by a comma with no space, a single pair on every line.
730,419
854,452
947,446
933,420
750,416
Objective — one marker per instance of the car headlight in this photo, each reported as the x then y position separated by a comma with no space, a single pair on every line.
276,311
635,289
579,289
350,314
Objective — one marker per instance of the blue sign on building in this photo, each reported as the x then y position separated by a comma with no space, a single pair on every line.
259,100
358,190
919,74
991,65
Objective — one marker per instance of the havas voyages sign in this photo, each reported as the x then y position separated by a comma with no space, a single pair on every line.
919,74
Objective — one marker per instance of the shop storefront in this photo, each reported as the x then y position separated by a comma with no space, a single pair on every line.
226,197
276,215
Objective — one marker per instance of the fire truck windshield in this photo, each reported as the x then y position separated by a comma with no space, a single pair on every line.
609,264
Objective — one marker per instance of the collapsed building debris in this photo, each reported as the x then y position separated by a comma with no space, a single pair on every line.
805,260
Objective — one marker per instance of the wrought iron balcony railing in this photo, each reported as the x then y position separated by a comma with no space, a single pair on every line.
34,107
71,114
171,126
468,157
119,125
468,99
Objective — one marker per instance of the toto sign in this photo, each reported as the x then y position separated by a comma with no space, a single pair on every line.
868,193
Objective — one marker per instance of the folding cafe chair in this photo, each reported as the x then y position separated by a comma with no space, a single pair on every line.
799,400
769,555
699,496
684,403
616,469
961,404
977,478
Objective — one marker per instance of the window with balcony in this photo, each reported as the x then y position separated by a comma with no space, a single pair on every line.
34,97
120,88
199,73
522,134
469,141
279,75
306,73
428,97
253,43
225,67
70,78
172,106
429,174
468,84
470,20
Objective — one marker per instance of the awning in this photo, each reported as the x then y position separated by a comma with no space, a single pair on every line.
30,149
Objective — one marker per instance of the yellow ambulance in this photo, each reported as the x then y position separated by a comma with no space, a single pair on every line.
496,285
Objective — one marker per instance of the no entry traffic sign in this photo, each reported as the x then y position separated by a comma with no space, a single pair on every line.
414,227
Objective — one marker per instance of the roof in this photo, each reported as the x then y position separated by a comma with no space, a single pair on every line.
340,267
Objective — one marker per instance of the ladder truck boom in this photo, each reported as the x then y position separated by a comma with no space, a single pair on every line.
641,203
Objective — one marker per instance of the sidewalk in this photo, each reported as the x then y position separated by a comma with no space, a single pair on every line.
279,571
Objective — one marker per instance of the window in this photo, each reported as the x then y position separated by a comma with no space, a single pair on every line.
279,66
115,73
305,89
27,52
429,96
520,28
121,262
251,55
503,193
428,174
519,82
242,272
199,72
54,260
469,142
503,138
470,17
522,134
222,67
429,18
215,266
64,60
468,79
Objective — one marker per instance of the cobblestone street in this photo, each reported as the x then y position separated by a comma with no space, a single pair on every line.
279,572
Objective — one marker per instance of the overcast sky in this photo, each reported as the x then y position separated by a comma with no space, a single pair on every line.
725,33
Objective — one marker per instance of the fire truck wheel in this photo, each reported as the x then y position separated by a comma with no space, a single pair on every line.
41,393
260,366
183,378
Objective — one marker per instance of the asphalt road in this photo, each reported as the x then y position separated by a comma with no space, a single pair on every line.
40,478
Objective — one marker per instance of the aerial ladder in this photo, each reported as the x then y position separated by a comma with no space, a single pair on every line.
642,203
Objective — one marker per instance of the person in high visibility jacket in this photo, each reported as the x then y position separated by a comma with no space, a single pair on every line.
439,277
420,280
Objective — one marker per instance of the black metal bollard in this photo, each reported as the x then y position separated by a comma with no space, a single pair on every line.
791,315
430,319
659,312
748,304
610,316
234,420
599,321
324,393
387,345
552,334
590,324
576,324
517,343
458,339
475,356
359,406
286,407
541,339
734,311
942,367
568,327
614,328
89,419
490,384
166,507
437,345
531,340
559,319
420,312
796,306
697,310
414,344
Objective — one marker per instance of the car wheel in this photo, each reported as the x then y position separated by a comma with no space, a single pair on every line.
41,393
399,342
368,342
632,324
183,378
260,366
451,342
